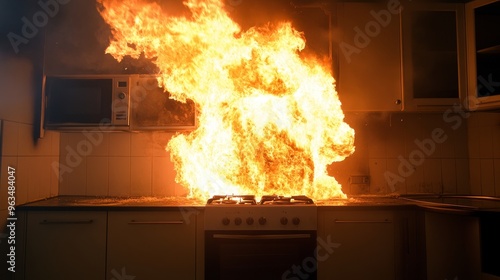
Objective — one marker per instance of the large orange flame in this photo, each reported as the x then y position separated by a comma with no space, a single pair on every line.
270,119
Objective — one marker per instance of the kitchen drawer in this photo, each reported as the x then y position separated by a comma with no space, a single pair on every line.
65,245
151,245
364,244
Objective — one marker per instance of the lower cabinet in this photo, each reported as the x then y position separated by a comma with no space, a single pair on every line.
452,245
150,245
364,244
62,245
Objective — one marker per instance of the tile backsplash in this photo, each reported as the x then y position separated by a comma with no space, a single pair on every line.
31,158
117,164
400,152
406,153
484,153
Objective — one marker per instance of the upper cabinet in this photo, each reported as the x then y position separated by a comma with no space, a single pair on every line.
483,54
367,45
433,43
400,55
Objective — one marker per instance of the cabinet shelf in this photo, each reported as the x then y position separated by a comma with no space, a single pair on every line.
490,50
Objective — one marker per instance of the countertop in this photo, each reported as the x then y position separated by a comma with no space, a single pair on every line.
443,203
108,203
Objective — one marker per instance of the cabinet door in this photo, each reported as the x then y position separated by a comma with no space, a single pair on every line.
369,55
151,245
452,246
66,245
483,54
364,245
433,55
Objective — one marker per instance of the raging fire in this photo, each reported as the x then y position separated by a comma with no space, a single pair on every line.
270,120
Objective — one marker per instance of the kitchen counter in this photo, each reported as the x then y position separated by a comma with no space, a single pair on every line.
108,203
452,204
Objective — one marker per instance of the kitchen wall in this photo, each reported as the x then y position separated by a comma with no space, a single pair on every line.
484,153
401,152
117,164
20,146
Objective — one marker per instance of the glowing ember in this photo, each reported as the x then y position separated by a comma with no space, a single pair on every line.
270,119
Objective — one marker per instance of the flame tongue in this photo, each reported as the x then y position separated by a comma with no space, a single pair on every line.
270,120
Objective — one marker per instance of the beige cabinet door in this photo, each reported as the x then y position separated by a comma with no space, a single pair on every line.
65,245
364,245
368,49
150,245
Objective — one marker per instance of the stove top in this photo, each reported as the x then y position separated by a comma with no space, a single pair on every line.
265,200
271,212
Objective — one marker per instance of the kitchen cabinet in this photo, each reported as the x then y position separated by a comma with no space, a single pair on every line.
364,240
367,43
452,245
483,54
396,56
433,45
151,245
65,245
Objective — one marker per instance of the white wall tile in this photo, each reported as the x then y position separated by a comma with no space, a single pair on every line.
119,176
119,144
378,183
27,144
449,176
10,138
22,179
395,144
475,176
54,176
497,177
161,172
433,182
415,182
496,142
474,140
99,141
141,144
487,177
141,176
97,176
73,178
486,142
38,178
463,176
461,142
160,141
396,179
55,138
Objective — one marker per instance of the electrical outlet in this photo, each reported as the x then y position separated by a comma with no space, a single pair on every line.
359,180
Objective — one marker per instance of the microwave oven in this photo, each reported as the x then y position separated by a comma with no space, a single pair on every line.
112,103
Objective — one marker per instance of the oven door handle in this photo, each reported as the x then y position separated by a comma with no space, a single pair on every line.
262,236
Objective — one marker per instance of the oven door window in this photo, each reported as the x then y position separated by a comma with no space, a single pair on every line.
260,255
78,101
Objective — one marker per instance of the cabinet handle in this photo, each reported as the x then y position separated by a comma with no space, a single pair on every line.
62,222
385,221
134,222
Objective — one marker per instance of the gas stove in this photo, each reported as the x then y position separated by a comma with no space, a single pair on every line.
271,212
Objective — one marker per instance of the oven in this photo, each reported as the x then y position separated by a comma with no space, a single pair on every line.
260,241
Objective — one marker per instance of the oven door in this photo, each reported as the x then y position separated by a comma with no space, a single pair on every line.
260,255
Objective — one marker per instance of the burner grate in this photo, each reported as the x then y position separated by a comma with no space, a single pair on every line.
286,200
232,199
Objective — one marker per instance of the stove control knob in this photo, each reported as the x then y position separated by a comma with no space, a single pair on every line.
284,221
262,220
296,221
237,221
225,221
249,221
